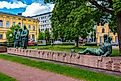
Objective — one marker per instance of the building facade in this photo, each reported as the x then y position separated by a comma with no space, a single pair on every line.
104,30
45,22
8,20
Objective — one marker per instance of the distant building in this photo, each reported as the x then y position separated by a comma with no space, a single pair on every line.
104,30
8,20
45,22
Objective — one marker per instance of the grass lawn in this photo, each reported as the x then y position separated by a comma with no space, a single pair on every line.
67,48
64,70
4,77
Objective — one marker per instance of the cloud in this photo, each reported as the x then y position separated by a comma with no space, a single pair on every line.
9,5
37,8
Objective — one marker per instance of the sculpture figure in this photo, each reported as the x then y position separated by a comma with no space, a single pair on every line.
20,37
24,36
16,38
104,50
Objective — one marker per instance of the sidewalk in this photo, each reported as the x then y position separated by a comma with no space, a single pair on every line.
26,73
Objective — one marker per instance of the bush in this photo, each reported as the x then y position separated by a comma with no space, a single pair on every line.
66,43
91,44
3,43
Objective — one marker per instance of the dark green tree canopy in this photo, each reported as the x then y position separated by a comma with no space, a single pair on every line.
47,35
102,11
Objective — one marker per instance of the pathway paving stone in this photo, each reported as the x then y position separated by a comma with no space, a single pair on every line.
26,73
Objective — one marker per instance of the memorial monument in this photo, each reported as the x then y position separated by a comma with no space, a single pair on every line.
104,50
21,38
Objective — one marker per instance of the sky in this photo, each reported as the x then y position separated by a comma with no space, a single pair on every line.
26,7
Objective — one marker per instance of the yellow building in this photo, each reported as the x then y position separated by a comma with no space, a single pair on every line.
7,20
104,30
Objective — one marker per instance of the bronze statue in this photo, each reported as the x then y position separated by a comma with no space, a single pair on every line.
24,35
104,50
16,38
21,38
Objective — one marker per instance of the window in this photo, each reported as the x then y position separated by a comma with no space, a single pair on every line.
33,28
112,39
48,29
49,15
33,37
29,27
19,24
101,39
1,23
1,36
19,18
42,29
14,23
116,39
103,30
7,24
29,37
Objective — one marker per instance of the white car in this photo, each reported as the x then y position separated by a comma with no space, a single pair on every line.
57,42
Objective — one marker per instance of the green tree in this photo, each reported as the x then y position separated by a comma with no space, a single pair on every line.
80,22
67,20
47,35
41,36
112,8
10,35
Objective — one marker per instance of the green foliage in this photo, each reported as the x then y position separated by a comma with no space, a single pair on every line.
10,35
117,6
41,36
59,22
66,17
64,70
4,77
47,35
104,11
80,22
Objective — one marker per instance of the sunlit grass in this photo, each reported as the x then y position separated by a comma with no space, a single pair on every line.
67,48
4,77
64,70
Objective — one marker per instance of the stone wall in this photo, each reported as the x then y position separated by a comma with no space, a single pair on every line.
108,63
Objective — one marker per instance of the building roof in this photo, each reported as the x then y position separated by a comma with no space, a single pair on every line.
41,14
16,15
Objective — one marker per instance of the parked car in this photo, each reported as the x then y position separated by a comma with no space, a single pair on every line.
57,42
31,43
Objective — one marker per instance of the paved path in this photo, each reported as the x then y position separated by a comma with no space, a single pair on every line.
26,73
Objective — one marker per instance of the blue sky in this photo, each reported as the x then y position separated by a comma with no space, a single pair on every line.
26,7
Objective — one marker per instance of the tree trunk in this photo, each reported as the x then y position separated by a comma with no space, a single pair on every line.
77,42
118,17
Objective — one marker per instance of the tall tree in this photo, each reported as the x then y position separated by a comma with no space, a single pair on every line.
41,36
110,7
66,23
47,35
60,12
80,22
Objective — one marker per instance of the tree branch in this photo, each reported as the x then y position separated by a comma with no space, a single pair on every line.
93,2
